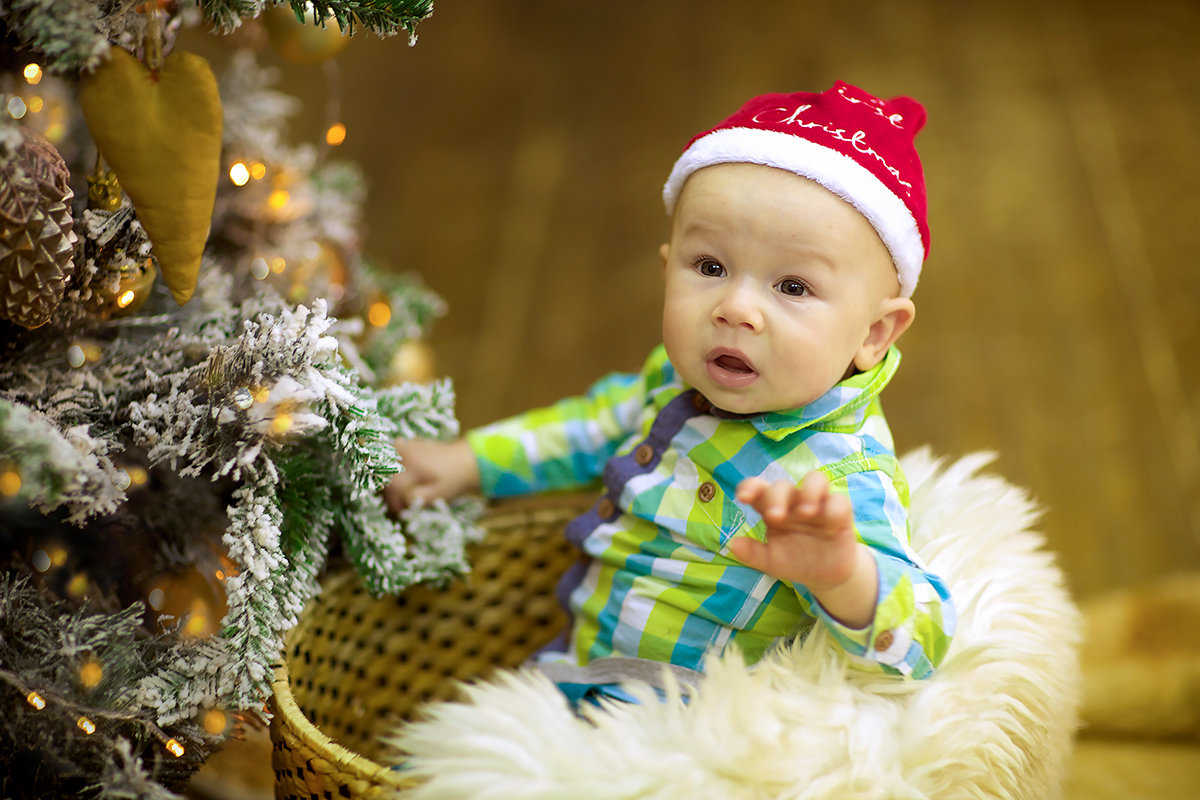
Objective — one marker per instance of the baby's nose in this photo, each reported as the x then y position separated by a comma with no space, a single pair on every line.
739,308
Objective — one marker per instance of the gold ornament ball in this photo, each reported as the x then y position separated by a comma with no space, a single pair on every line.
319,271
413,362
302,42
133,289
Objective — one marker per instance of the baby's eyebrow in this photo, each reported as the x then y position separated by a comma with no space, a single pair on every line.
698,226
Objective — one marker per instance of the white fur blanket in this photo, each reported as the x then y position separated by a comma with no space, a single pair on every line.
996,720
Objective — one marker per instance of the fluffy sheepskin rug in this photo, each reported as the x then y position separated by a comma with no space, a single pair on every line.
997,719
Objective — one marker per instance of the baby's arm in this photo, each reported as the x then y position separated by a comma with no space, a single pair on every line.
432,470
810,540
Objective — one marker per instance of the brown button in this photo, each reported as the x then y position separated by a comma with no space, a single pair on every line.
884,640
700,403
643,455
706,492
605,508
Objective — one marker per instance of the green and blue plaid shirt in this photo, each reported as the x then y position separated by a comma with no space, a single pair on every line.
658,580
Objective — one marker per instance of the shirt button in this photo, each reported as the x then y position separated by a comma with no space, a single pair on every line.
706,492
884,640
605,509
643,455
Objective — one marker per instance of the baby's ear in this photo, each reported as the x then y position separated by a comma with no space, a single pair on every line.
665,251
894,316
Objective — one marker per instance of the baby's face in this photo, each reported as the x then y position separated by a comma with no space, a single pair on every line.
773,285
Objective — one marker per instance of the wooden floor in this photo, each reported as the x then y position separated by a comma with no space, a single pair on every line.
517,153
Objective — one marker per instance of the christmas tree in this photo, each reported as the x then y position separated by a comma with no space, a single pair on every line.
199,387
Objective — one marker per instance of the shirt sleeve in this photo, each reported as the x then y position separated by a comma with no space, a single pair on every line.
914,613
564,445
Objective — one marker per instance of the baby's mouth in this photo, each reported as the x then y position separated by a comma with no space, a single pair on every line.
730,369
733,364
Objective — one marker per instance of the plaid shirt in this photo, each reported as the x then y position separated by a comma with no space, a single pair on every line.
658,580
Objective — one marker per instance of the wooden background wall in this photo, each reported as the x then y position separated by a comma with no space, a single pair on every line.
517,153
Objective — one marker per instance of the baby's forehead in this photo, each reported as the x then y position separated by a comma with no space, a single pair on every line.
707,191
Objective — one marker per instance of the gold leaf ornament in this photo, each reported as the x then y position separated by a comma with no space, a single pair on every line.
160,132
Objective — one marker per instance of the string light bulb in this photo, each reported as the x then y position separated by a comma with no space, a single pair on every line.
335,134
379,313
91,673
86,725
281,424
36,700
239,174
174,748
33,74
75,356
10,482
215,721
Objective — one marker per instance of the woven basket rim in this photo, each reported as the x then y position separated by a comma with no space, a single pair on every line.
322,745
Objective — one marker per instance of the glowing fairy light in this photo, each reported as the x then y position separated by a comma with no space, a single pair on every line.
335,135
36,104
259,268
278,199
10,482
86,725
36,700
243,398
79,585
156,598
138,476
91,673
278,264
215,721
33,74
16,107
174,748
281,424
258,170
197,625
239,174
75,356
121,479
125,298
379,313
41,560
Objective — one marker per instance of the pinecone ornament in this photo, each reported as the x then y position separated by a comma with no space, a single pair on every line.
37,240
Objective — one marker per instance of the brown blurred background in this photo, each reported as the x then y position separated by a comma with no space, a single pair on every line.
516,156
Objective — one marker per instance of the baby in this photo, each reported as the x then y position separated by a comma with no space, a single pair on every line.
751,487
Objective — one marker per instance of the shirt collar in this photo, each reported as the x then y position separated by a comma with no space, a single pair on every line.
845,405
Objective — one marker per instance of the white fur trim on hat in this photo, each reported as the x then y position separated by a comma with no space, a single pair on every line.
838,173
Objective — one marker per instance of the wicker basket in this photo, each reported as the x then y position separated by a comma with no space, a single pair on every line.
355,665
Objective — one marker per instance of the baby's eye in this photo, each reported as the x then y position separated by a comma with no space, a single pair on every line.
709,268
792,287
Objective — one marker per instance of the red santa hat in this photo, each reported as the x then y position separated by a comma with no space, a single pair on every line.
854,144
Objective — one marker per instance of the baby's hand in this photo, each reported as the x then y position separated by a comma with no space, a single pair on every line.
810,532
432,470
